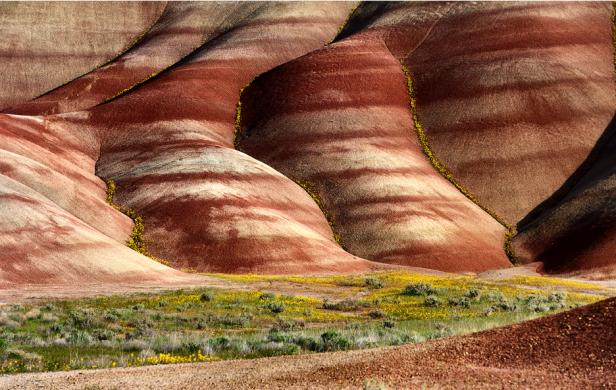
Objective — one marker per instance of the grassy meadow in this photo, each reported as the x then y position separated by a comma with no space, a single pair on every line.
311,315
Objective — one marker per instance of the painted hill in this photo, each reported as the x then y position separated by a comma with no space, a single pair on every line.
575,230
513,96
391,134
47,44
338,121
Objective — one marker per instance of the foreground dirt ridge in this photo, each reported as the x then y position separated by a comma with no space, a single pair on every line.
322,140
536,354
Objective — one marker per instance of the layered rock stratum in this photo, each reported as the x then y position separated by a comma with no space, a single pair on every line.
367,135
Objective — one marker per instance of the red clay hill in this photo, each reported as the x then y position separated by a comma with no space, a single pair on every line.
369,135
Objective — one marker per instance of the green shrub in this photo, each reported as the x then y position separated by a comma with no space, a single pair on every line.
287,325
307,343
79,337
56,328
389,324
461,302
505,306
207,296
228,320
432,301
268,349
276,307
374,283
557,297
419,289
344,305
495,296
267,296
81,319
332,341
473,293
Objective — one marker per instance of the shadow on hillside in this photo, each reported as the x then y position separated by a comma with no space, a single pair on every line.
608,136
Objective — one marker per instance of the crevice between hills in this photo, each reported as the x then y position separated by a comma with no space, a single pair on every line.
446,173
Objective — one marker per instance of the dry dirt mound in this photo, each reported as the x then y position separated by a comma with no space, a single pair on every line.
46,44
575,349
181,29
513,95
338,120
575,229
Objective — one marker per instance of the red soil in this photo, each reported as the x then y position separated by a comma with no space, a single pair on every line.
575,230
46,44
513,96
348,105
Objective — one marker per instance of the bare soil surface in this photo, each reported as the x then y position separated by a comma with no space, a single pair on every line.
575,349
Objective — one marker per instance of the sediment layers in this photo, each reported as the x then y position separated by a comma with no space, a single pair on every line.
46,44
575,230
339,118
169,147
180,30
513,96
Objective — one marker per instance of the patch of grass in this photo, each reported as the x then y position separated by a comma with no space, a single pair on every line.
211,323
345,305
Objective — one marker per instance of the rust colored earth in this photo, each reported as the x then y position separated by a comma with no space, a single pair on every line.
328,161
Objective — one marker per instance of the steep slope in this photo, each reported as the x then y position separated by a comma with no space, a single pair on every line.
575,230
56,226
338,120
512,95
181,29
45,44
169,147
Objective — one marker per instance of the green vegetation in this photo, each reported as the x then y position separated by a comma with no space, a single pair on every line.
131,87
444,171
206,324
136,241
310,188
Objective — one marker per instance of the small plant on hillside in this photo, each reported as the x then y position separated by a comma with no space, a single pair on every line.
418,289
111,190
